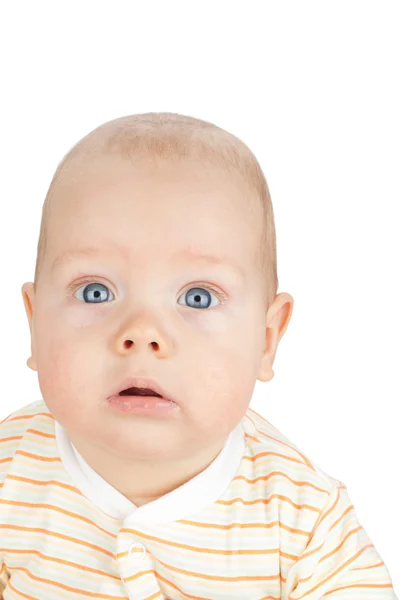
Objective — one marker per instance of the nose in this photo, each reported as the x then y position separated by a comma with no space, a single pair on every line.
141,335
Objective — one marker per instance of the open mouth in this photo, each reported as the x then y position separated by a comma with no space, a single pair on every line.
142,400
134,391
140,386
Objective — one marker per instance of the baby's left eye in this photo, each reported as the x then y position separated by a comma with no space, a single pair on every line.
198,297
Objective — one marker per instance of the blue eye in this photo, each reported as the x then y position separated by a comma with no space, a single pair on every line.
197,297
92,294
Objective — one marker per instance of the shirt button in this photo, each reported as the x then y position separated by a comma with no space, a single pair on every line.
137,555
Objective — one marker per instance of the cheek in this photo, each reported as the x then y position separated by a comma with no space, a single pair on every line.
62,381
236,364
230,376
227,388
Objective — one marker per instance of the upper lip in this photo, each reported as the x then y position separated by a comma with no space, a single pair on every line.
141,382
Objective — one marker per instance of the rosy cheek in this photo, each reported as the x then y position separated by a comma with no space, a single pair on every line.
54,366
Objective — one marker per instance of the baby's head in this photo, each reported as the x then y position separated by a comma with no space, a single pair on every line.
157,259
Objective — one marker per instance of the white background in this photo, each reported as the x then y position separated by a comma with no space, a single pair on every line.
320,92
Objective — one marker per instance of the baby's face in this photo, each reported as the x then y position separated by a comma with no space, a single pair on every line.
145,226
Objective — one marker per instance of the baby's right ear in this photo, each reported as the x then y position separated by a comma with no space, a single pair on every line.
28,294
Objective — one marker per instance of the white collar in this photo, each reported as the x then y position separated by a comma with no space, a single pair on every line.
188,499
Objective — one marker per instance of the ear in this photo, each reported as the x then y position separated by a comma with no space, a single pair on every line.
28,294
277,319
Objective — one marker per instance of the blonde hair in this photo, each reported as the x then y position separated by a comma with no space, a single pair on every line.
180,138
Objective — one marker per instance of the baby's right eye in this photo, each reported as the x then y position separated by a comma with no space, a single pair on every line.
92,293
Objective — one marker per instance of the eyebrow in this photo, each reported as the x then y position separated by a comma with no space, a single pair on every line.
121,250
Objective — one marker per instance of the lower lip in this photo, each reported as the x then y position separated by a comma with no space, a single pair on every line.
146,405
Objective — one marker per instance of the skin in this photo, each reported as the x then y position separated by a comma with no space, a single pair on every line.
208,359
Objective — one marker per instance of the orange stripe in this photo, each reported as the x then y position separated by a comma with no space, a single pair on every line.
281,473
304,458
185,595
343,541
66,486
31,416
372,586
57,509
58,535
245,526
379,564
42,433
206,577
205,550
61,586
348,562
61,561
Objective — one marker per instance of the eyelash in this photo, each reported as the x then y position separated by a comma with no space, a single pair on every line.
220,295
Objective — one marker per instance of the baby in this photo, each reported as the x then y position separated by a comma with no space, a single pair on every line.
143,473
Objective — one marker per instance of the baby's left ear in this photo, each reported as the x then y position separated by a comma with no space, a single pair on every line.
277,319
280,313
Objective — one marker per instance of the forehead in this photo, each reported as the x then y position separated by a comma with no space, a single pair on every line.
179,211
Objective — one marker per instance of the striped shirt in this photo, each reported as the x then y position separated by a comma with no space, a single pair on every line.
261,522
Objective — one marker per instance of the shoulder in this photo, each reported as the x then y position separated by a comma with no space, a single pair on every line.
295,481
18,432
